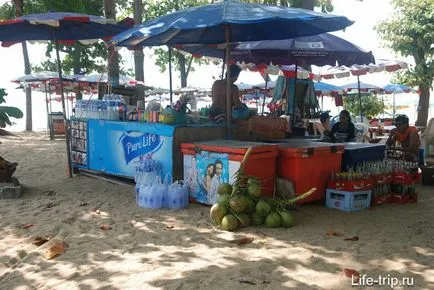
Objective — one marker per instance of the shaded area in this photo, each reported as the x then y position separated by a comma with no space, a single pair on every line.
168,249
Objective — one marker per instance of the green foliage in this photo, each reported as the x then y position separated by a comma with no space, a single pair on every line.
7,112
371,105
411,33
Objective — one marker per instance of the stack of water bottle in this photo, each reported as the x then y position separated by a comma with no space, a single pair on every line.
152,193
111,107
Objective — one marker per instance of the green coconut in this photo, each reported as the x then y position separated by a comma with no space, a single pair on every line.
287,219
217,212
229,222
273,220
244,220
254,187
263,208
251,206
224,198
224,188
256,219
239,203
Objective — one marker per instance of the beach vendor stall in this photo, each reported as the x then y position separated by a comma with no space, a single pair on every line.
112,138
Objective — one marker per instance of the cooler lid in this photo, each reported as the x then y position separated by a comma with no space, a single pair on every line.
230,146
305,147
354,145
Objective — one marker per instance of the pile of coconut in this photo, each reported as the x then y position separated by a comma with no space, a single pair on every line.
240,204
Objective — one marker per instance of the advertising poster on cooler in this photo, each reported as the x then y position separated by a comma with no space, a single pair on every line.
203,173
116,150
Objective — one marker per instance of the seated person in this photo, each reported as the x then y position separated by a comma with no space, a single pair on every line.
406,136
324,127
344,130
219,100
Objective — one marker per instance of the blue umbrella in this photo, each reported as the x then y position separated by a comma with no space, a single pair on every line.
324,87
246,21
58,26
322,49
230,21
396,89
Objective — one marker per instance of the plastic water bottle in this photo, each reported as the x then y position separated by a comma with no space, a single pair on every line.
157,194
166,184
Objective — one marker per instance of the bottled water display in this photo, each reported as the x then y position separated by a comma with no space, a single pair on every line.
152,192
111,107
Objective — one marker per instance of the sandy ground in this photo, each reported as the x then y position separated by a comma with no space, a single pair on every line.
165,249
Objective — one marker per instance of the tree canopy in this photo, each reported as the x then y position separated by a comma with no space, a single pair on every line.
410,32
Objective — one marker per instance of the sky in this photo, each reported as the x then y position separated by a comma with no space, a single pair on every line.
366,14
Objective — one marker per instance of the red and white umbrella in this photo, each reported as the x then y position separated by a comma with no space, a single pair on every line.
381,65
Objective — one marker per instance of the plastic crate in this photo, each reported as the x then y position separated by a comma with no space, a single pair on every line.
404,178
381,199
309,164
348,200
384,178
353,185
404,198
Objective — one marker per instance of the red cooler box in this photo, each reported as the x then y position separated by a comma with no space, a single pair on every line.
309,164
209,163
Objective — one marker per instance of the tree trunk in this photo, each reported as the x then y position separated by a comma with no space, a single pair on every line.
422,114
306,4
19,6
139,57
182,70
113,56
77,66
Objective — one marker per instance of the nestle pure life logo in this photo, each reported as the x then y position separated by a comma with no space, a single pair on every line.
136,144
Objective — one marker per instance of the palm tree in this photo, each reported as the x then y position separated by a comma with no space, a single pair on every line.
113,56
138,54
19,7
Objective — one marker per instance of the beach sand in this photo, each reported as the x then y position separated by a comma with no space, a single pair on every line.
167,249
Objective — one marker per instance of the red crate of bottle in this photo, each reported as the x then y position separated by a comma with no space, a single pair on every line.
381,199
351,185
405,178
383,178
404,198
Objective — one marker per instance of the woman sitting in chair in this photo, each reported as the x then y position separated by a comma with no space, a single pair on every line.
407,137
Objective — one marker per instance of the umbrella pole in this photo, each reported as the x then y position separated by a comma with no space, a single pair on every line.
46,106
382,99
295,91
393,110
228,82
360,98
223,66
265,94
65,121
322,102
170,75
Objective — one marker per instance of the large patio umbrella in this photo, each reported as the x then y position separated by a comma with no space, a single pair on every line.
322,49
230,21
396,89
59,26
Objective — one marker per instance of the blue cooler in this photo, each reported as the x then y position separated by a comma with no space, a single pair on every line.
359,152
